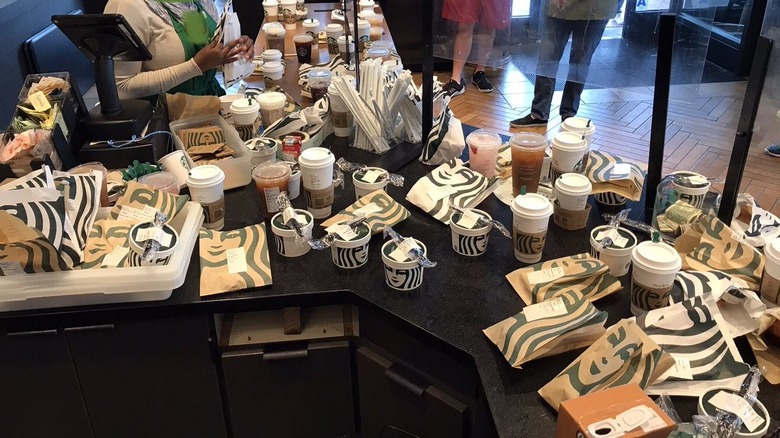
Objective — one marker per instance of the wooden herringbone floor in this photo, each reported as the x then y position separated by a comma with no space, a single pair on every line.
700,133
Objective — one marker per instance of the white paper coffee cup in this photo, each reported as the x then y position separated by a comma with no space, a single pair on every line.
245,111
271,106
177,163
225,102
366,5
618,255
571,191
341,117
294,185
568,152
317,168
468,238
373,179
285,237
272,73
271,55
770,280
271,10
287,9
530,218
402,275
353,253
580,126
694,191
311,26
333,31
655,267
206,185
346,48
483,151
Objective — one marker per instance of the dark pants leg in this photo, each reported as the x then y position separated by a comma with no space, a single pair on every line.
554,39
586,36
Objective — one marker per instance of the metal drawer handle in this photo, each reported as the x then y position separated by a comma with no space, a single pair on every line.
34,333
286,355
90,328
404,382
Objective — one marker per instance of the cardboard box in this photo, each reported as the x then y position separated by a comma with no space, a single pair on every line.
622,411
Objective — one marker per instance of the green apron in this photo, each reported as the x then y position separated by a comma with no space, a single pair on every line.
206,84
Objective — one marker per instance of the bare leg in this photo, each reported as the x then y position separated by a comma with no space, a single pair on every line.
462,48
484,47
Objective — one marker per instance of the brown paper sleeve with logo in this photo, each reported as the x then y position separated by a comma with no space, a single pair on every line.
571,220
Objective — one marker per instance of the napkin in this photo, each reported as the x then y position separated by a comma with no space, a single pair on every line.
625,354
547,280
450,182
140,202
710,245
705,355
610,173
379,209
565,323
234,260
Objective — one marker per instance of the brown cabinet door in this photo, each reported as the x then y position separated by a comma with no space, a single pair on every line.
39,389
149,378
396,402
297,390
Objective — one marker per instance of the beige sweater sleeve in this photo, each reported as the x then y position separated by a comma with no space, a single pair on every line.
168,66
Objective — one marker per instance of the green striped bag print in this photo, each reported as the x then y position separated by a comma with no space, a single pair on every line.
247,250
692,332
82,192
379,209
23,248
107,235
581,272
710,245
600,172
140,196
456,183
523,338
625,354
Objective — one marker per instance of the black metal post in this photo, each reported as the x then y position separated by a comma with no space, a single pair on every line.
663,72
355,9
427,69
747,118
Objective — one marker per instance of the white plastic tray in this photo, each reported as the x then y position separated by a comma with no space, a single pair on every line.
238,170
106,285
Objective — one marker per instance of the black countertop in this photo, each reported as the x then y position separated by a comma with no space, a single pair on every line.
458,298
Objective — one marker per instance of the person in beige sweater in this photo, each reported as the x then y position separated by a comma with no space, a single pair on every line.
178,35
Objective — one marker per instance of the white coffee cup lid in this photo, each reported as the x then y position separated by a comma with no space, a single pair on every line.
569,141
244,106
532,205
271,99
230,97
363,24
311,22
270,2
579,124
205,175
272,67
316,157
343,39
268,53
333,27
573,183
657,255
772,249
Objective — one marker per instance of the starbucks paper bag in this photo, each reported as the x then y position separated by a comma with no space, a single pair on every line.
24,249
140,202
314,121
705,355
234,260
710,245
107,244
445,142
753,224
185,106
625,354
82,192
547,280
740,308
379,209
545,329
41,178
610,173
230,30
766,350
450,182
44,210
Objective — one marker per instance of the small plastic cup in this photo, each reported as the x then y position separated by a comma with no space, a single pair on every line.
285,237
483,151
353,253
303,45
270,180
163,181
319,81
274,36
402,275
468,238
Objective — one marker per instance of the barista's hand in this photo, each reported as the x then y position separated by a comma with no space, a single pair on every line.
247,47
216,54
